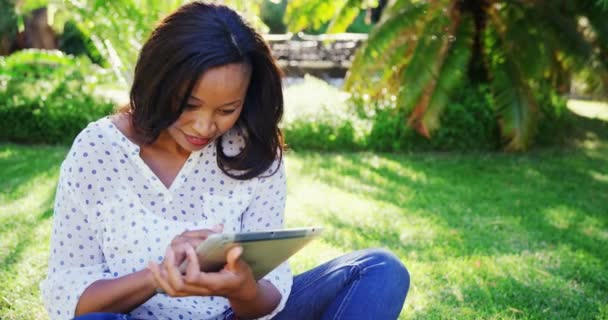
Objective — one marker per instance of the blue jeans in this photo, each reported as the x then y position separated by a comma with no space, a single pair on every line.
365,284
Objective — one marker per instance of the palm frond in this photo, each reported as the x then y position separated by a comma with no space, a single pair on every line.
301,14
395,6
345,16
452,72
515,106
383,41
428,72
425,61
525,38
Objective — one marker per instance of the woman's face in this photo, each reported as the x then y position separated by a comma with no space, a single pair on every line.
213,107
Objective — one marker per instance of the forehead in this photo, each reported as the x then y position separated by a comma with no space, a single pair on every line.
221,83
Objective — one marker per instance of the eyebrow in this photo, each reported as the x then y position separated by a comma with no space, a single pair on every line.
225,104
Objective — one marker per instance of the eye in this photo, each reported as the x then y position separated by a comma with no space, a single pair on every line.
190,106
227,111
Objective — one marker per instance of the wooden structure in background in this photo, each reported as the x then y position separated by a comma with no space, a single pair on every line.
324,56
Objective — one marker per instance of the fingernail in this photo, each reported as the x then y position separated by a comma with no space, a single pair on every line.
218,228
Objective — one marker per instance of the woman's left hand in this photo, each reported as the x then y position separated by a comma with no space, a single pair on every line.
234,282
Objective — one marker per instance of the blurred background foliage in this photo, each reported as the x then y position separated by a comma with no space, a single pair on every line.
433,75
422,53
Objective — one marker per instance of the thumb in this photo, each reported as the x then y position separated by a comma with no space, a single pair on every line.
233,256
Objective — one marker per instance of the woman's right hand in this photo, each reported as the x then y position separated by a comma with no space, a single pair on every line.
191,238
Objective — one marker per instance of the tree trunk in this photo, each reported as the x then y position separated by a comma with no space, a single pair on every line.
478,72
38,34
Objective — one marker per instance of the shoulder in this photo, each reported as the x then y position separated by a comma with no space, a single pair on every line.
90,141
233,142
93,133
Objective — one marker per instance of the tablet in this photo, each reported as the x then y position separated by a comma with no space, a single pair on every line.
263,250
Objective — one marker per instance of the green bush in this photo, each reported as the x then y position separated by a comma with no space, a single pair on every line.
321,117
75,42
48,97
556,122
317,117
468,123
321,135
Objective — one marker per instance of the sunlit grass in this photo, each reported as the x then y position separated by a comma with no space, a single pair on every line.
28,176
491,236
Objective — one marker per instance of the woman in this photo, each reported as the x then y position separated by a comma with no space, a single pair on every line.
197,151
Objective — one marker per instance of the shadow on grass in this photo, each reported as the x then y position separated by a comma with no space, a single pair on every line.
468,192
512,297
492,205
21,164
27,237
21,169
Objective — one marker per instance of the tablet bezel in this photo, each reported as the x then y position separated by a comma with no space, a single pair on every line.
212,252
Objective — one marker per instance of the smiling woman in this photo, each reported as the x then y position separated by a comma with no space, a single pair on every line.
197,151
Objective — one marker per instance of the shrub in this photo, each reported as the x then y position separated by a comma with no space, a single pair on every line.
75,42
317,117
321,117
556,122
467,123
48,97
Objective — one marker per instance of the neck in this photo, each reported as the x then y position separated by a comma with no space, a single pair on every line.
167,144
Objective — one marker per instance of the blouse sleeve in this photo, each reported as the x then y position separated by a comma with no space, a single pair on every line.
76,258
266,211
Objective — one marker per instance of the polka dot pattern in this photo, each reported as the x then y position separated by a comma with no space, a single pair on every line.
112,215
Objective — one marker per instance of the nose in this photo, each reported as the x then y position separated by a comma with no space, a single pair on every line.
205,126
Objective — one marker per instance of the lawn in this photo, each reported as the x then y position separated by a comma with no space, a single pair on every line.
485,235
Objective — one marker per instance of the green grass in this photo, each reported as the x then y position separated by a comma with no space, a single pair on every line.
27,184
492,236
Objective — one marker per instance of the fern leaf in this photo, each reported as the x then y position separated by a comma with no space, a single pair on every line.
428,76
301,14
424,63
515,106
452,72
345,16
398,28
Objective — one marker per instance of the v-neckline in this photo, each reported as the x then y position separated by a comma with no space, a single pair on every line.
135,150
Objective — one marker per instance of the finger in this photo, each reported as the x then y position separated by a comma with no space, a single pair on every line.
179,252
169,257
194,242
232,258
200,233
193,280
218,228
193,269
174,277
160,280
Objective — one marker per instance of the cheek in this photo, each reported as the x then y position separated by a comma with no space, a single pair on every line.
226,123
183,120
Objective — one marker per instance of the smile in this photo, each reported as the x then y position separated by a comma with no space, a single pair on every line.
197,141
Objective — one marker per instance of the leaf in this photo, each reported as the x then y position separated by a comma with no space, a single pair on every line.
345,16
419,74
386,40
515,106
301,14
452,72
430,74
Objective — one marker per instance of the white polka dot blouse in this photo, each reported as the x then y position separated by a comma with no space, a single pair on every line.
112,215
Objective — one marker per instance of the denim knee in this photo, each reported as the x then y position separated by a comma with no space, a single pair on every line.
392,266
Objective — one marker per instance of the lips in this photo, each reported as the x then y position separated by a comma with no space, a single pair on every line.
197,141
